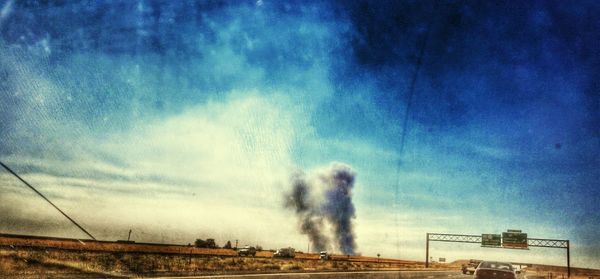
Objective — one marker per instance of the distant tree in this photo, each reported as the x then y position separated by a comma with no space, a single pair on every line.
210,243
200,243
259,248
227,245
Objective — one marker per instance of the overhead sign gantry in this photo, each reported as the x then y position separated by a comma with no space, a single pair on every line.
512,239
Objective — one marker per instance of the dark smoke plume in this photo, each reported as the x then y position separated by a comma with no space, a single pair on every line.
311,221
338,207
334,206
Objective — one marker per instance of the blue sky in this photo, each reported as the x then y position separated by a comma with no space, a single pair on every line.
186,120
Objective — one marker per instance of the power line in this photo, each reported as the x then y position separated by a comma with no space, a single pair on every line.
44,197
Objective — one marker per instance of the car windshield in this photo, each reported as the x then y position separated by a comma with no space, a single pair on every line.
496,265
317,125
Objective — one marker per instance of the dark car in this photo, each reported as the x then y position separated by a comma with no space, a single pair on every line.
495,270
470,267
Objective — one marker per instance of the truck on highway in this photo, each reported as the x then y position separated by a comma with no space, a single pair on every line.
285,253
323,255
247,251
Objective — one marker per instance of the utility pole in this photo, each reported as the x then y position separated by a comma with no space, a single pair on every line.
568,259
129,236
427,252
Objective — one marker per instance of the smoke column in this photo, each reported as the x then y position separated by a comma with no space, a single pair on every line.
334,206
311,222
338,207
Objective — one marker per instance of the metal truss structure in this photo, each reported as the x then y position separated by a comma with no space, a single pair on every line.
470,238
465,238
548,243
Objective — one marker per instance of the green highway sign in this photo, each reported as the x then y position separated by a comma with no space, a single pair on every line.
491,240
514,239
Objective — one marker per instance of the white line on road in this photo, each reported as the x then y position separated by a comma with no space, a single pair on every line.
305,274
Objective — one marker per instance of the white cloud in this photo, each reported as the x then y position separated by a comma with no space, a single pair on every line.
230,159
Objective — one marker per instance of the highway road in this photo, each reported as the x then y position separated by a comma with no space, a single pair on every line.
356,274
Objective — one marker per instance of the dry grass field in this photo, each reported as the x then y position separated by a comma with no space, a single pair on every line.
38,257
44,257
